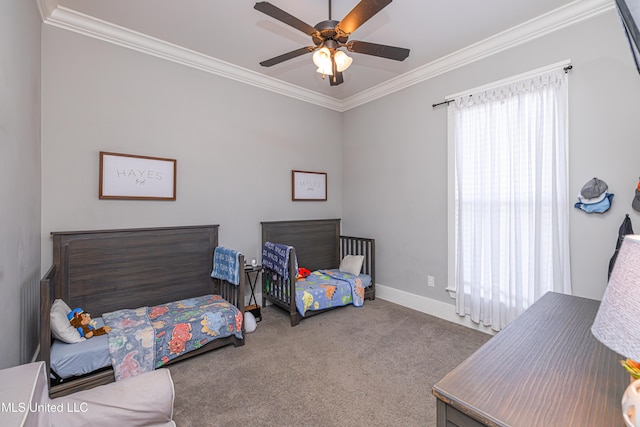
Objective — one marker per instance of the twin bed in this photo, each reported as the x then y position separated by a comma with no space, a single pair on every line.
317,246
109,270
167,270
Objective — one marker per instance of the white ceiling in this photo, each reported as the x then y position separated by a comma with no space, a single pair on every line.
230,37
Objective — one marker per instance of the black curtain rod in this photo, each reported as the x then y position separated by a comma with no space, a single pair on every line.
447,101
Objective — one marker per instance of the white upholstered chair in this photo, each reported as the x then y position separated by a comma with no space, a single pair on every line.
144,400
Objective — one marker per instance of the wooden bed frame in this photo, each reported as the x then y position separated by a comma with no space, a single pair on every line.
107,270
317,245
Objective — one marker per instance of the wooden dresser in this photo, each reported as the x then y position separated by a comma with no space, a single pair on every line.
543,370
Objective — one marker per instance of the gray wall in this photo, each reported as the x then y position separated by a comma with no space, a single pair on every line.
19,179
395,159
386,160
235,144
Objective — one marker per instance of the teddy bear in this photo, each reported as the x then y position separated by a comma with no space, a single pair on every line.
81,320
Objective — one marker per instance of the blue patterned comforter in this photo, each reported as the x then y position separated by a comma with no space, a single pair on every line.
148,337
330,288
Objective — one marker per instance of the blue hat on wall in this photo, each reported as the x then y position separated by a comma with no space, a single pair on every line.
599,207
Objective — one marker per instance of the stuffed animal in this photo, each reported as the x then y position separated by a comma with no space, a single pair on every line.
81,320
302,273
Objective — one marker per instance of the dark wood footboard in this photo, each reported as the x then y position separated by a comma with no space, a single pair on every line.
362,246
317,245
107,270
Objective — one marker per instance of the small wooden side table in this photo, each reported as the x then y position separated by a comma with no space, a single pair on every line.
253,307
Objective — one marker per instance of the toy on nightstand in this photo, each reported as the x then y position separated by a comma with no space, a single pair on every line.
81,320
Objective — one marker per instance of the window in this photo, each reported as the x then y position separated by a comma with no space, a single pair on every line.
510,196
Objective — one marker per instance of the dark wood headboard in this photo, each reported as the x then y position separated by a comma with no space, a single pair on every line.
103,271
316,242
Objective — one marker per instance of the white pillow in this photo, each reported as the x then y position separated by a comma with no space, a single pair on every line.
351,264
60,326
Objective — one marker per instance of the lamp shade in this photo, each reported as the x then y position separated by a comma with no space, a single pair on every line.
322,59
617,323
343,61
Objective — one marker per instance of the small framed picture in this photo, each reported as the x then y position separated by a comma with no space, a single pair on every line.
308,186
132,177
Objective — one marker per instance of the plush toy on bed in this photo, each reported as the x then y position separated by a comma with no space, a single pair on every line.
302,273
81,320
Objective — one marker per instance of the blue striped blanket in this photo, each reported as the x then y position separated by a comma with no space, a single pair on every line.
226,265
275,257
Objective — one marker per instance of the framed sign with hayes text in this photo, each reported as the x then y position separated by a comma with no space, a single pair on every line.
132,177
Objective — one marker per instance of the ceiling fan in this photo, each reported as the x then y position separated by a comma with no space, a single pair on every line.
329,36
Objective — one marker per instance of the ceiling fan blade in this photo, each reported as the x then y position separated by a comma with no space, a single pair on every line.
381,50
336,79
282,16
287,56
359,15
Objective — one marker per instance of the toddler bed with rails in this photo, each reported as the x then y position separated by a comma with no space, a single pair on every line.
168,293
310,268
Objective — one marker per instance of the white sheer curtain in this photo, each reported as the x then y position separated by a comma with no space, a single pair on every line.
511,197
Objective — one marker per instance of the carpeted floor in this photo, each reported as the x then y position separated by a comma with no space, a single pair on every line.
368,366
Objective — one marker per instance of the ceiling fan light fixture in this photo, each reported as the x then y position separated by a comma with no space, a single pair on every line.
343,61
327,71
322,59
330,35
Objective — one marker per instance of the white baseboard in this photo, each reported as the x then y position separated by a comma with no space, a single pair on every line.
429,306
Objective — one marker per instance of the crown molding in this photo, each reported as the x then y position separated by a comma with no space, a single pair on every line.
46,7
570,14
87,25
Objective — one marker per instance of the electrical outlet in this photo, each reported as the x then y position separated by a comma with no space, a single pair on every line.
431,281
